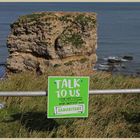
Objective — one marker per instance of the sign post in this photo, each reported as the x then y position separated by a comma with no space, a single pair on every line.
68,96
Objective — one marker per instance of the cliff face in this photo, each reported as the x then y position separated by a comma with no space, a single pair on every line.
62,40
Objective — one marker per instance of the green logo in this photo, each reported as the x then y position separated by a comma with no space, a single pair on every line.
68,96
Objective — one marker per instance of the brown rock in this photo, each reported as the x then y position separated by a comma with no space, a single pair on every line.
61,40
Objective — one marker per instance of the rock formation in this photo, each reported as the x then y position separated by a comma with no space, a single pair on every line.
60,40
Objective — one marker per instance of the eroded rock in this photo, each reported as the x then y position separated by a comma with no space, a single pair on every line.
62,40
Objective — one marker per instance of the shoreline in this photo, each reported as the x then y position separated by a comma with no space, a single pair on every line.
113,73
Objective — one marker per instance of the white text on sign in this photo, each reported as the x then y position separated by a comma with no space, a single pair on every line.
73,86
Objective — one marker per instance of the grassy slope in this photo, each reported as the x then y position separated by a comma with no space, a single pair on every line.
109,115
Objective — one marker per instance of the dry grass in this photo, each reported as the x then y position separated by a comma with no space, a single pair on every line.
109,115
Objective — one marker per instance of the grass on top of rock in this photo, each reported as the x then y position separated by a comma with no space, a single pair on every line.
66,18
75,39
85,21
32,17
109,115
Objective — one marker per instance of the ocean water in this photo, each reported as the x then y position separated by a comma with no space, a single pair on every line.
118,27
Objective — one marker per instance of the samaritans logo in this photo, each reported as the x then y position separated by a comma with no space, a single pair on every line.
69,109
67,97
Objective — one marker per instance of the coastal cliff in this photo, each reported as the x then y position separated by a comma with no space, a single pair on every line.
60,40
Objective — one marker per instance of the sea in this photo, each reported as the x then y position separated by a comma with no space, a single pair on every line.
118,28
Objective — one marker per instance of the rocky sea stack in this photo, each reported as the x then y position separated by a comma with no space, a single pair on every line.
60,40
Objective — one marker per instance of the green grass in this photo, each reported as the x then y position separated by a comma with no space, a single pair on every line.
109,115
75,39
85,21
32,17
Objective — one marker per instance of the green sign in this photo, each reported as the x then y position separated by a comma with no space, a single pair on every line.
68,96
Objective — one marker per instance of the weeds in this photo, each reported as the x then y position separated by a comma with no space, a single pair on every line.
109,115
